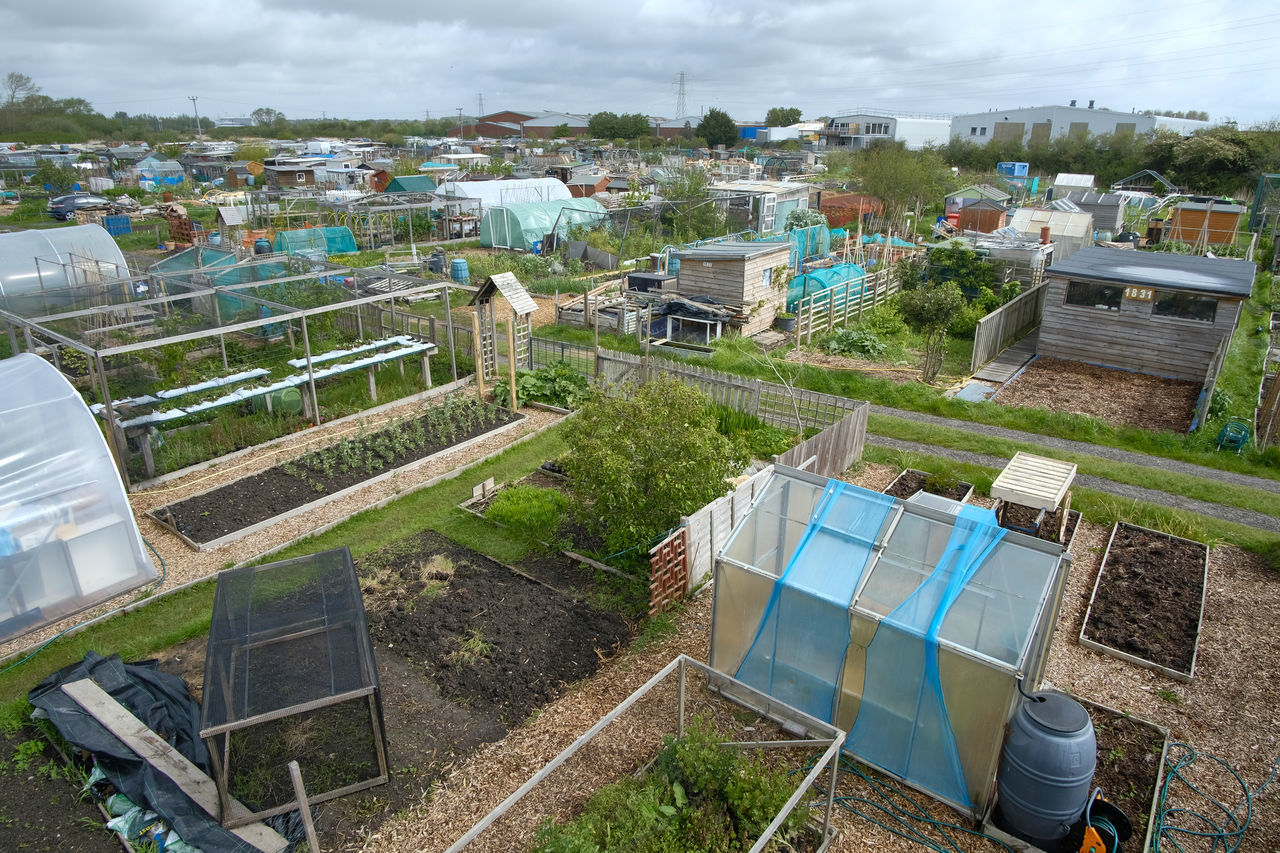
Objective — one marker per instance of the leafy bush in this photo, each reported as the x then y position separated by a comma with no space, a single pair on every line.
531,512
700,796
556,384
965,324
885,320
1219,404
857,341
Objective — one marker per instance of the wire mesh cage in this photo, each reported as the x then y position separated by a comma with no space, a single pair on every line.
290,675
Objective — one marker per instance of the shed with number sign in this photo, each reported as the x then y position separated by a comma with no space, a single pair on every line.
1150,312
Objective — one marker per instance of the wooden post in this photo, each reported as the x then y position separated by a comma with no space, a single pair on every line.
373,384
311,375
475,346
511,362
448,326
304,807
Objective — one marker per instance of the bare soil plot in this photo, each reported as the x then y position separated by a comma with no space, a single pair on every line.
1118,397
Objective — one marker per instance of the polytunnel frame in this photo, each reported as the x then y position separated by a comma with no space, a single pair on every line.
372,219
1034,662
182,280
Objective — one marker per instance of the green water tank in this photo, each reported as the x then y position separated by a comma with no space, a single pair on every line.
286,401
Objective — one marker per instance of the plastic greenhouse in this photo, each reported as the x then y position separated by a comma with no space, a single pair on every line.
316,242
520,226
40,269
908,625
68,540
289,675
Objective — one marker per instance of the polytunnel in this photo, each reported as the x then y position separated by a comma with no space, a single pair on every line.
520,226
329,240
909,624
68,257
68,539
822,279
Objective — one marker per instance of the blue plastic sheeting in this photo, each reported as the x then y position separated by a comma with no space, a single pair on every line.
799,649
820,280
902,671
813,241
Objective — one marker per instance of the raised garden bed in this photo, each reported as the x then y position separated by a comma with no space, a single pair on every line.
1023,519
230,512
911,481
466,648
1148,600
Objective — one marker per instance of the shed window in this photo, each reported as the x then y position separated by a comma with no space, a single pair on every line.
300,176
1092,295
1184,306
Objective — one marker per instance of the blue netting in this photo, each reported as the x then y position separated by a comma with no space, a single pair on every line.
813,241
902,723
878,239
798,652
819,280
331,240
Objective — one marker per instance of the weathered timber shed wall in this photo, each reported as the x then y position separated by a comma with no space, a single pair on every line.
737,274
1211,222
1125,329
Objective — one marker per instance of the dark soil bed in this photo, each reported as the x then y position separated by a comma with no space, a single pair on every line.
1128,768
39,805
466,649
911,481
1148,598
1115,396
1023,518
235,506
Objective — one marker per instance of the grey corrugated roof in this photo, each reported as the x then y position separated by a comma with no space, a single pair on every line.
1082,198
1218,206
1223,276
729,251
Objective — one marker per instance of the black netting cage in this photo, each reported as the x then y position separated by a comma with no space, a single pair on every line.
290,675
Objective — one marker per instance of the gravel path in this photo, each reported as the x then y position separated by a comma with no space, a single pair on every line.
1111,453
1249,518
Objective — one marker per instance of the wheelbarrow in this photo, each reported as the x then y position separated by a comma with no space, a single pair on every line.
1234,434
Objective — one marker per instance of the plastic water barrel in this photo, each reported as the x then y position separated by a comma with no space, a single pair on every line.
261,246
673,265
215,238
286,401
435,263
1046,769
458,270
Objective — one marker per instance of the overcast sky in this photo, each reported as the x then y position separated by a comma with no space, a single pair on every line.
403,59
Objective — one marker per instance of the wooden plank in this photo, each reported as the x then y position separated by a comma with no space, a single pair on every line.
155,751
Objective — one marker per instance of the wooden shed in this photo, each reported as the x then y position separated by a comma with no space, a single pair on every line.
751,277
1151,312
1205,222
983,215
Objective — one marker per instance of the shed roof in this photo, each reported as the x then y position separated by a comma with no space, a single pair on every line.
507,192
1218,206
1029,220
233,214
1071,179
982,191
1223,276
730,251
411,184
776,187
511,289
1096,199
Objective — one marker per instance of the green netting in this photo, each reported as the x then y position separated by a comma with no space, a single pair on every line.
519,226
819,280
813,241
331,240
194,258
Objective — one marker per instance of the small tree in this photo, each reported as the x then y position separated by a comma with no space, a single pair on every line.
57,178
560,131
717,128
638,462
928,310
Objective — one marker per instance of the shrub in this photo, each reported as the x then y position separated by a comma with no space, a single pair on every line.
531,512
854,342
556,384
965,324
885,320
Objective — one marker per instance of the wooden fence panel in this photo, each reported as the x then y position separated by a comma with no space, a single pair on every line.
999,329
842,304
709,528
834,449
1210,382
1267,422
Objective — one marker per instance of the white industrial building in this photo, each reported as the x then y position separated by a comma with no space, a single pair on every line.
1039,125
860,129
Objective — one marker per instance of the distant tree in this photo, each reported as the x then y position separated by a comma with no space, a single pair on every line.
560,131
717,128
603,125
632,125
900,178
624,486
254,152
265,116
18,87
782,116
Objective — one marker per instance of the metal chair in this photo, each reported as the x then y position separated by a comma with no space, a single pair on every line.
1234,434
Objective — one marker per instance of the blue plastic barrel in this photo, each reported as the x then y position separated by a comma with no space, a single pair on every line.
215,238
1046,769
261,246
458,271
673,265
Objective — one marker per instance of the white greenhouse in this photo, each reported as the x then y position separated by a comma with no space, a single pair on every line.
68,539
906,624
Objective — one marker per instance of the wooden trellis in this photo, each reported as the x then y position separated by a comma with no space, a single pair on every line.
522,307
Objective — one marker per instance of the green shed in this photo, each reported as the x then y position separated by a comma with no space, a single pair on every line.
411,184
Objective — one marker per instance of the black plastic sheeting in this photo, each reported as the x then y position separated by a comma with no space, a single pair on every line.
160,701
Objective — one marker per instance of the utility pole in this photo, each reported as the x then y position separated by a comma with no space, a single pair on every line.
194,109
680,98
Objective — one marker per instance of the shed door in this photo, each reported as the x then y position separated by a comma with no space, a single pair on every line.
768,211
